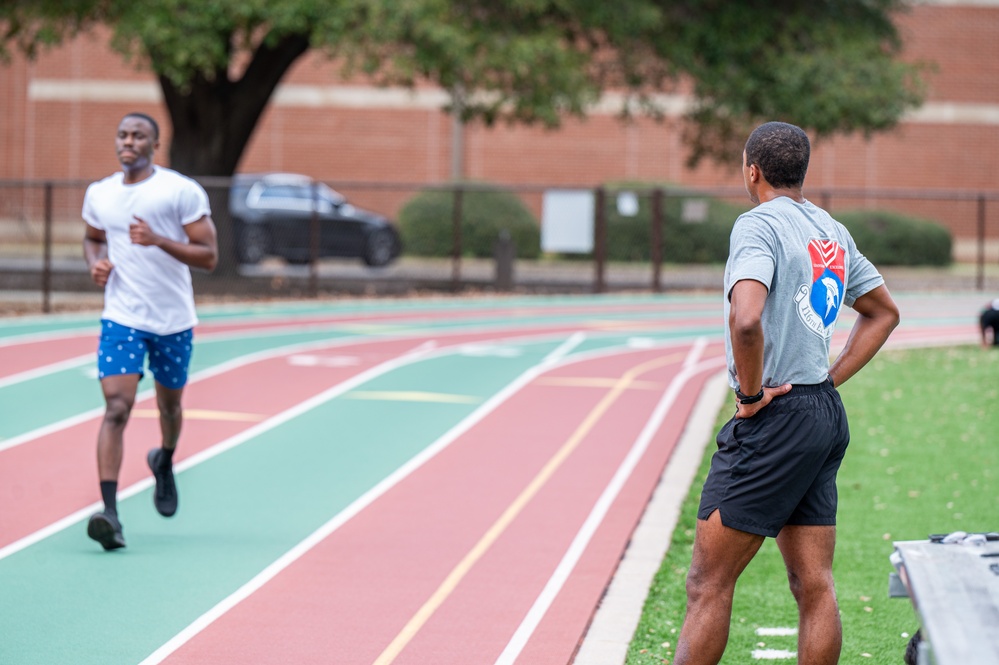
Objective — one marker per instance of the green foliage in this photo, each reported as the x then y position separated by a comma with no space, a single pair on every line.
427,226
181,40
695,228
889,238
826,66
908,473
830,67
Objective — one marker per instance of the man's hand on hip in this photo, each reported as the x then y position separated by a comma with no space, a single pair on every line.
750,410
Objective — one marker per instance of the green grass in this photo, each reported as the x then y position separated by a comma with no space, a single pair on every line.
922,459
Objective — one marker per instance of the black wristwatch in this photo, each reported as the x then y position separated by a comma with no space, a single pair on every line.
749,399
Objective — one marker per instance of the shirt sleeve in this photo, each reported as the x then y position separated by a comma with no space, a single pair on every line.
89,214
192,203
752,252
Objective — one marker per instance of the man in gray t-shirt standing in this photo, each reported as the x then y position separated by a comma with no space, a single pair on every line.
791,269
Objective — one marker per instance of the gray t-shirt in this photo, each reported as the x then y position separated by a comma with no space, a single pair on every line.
811,268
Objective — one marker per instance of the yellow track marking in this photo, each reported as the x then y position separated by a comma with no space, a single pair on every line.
204,414
594,382
451,582
412,396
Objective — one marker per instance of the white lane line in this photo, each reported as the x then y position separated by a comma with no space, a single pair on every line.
65,423
776,632
287,350
225,445
250,326
425,349
262,321
774,654
390,481
69,363
31,338
211,337
60,366
312,360
607,639
221,368
603,504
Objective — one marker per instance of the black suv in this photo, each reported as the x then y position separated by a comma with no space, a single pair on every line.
272,215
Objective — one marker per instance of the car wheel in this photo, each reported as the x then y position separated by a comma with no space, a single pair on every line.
378,251
254,243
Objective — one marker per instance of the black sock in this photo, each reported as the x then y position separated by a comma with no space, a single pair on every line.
109,492
166,457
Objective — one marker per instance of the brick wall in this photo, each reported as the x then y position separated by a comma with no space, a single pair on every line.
48,131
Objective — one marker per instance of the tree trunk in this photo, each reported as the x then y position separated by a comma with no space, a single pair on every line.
213,119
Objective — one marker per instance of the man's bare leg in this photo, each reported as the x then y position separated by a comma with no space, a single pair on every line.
720,556
808,556
119,396
168,401
160,460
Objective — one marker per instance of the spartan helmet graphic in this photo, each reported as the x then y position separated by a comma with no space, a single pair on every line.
832,293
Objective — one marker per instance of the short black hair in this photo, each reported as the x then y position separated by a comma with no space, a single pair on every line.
781,151
147,118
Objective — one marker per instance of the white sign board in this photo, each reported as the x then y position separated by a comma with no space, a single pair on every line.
627,204
567,221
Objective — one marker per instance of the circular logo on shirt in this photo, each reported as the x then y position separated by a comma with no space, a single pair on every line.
819,303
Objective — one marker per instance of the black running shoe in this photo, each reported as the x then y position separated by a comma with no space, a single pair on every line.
165,494
106,529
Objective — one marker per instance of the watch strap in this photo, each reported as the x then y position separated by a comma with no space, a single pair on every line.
749,399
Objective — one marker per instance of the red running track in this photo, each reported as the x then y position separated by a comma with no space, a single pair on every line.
443,550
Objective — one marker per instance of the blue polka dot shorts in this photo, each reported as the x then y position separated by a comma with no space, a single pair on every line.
124,350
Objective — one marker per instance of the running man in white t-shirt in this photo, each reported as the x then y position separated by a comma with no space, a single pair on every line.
146,227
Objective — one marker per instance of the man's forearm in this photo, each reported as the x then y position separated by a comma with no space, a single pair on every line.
195,255
746,333
877,317
866,339
94,251
747,352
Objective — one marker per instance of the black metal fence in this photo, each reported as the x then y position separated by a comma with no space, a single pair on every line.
41,231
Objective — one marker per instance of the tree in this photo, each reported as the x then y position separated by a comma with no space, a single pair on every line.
828,65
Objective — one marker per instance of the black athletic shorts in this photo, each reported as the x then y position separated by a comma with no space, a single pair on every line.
990,319
779,467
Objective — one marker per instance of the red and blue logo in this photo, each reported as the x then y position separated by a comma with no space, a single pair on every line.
828,279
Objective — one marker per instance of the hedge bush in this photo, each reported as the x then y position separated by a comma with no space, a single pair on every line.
885,237
426,223
892,239
683,241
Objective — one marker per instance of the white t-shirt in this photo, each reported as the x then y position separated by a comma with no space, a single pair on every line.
148,289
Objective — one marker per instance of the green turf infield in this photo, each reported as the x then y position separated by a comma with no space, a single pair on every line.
922,459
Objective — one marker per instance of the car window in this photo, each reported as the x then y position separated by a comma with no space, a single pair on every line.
285,196
333,197
270,192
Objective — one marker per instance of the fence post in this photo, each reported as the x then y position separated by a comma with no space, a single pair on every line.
657,239
826,199
599,240
505,253
456,237
980,279
47,252
314,243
